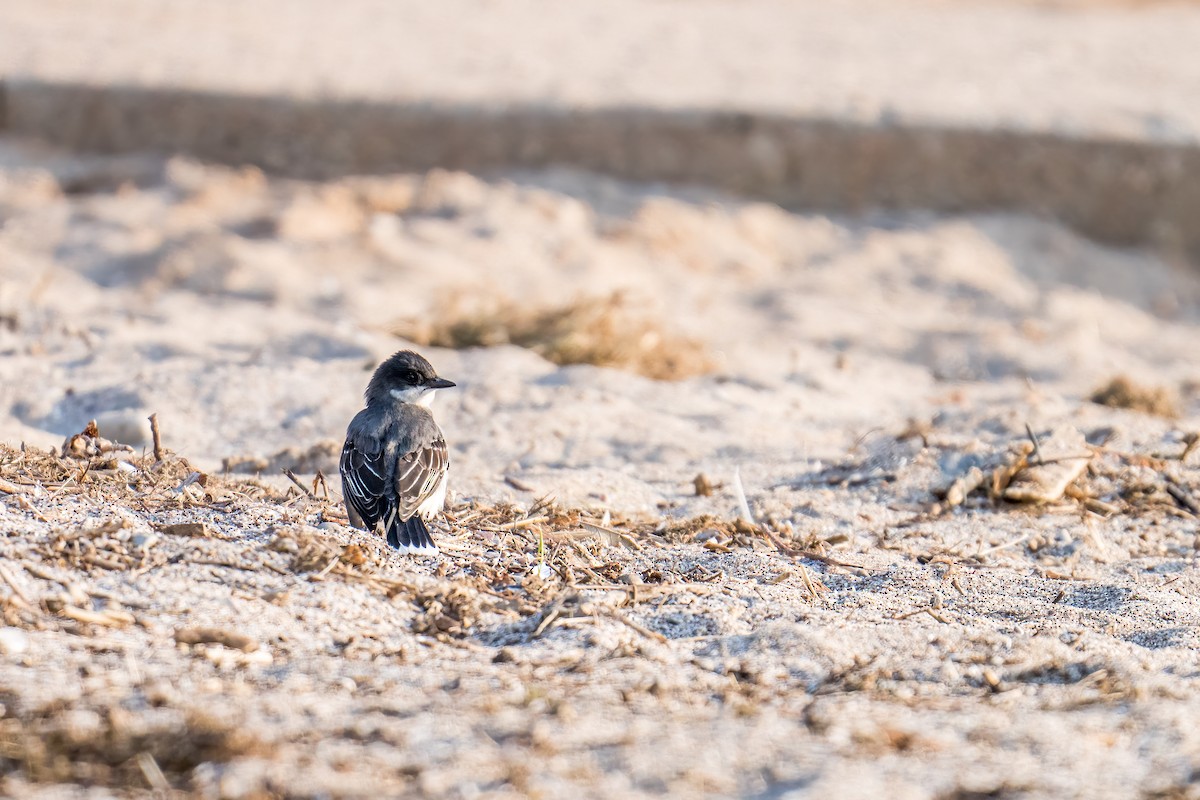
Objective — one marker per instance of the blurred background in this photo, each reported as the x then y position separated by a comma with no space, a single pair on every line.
225,211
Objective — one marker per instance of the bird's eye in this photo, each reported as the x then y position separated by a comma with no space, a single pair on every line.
411,376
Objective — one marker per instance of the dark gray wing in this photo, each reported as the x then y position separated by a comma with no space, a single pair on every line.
365,484
418,474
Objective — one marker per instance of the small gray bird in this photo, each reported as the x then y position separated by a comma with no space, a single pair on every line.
394,462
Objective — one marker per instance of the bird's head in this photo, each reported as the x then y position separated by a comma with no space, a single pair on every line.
406,378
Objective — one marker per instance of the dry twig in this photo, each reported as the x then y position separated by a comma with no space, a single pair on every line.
157,437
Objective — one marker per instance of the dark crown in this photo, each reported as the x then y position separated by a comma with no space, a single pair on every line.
402,370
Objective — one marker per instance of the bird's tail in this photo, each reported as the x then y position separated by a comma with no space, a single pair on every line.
411,536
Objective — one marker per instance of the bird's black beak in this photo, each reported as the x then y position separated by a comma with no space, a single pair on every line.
440,383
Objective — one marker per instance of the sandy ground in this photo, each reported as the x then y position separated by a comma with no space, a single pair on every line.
990,649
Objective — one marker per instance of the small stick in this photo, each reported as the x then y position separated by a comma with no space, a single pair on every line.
24,503
109,619
642,629
125,601
62,487
12,488
517,484
40,572
12,583
596,579
1062,576
1063,459
226,638
470,516
1037,449
927,610
101,561
152,772
154,432
790,551
1181,497
812,590
292,477
652,588
795,552
214,562
546,622
551,612
522,523
329,567
624,538
629,541
994,548
584,554
741,496
1190,443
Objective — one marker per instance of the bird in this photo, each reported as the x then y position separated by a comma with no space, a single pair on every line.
394,462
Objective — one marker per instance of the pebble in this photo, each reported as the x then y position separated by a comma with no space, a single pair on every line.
143,541
258,658
79,725
13,641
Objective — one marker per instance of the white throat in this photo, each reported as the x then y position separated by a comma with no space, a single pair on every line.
419,395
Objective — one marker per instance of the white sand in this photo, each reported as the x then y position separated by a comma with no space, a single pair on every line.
248,312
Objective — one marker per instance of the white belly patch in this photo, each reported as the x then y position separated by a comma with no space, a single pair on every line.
436,501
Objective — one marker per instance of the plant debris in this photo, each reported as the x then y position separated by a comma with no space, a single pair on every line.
231,639
1062,468
1048,468
606,332
446,609
90,444
1123,392
322,456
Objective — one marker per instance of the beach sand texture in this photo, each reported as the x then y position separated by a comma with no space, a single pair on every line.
967,443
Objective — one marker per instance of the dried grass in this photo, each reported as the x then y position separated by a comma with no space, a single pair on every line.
605,332
54,747
583,548
1122,392
484,591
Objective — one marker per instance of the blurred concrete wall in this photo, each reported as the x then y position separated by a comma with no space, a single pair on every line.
1118,191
